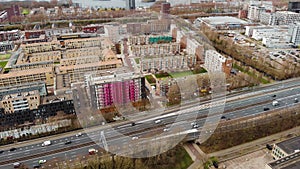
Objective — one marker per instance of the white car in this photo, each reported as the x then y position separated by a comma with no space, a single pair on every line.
135,138
42,161
157,121
166,129
78,134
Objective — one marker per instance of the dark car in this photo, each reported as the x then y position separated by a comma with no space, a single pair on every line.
36,166
269,147
13,149
274,95
215,164
68,142
223,117
1,151
266,108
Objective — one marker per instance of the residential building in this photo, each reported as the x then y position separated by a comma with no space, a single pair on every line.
154,49
286,18
41,47
294,6
57,31
3,16
165,8
291,161
33,34
75,53
130,4
117,87
14,10
294,32
285,148
23,88
10,35
20,101
215,62
6,46
167,62
254,12
82,43
99,29
54,56
29,76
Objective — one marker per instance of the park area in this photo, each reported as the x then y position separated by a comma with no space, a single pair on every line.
5,56
3,64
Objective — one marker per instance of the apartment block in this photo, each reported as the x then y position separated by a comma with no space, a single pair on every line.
10,35
54,56
41,47
75,53
215,62
171,62
116,87
33,34
82,43
26,66
254,12
154,49
24,88
57,31
28,76
149,39
6,46
76,73
286,18
20,101
80,60
294,32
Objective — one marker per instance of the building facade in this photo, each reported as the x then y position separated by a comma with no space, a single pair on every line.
215,62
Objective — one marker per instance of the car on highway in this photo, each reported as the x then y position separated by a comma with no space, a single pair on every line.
269,147
296,100
266,108
166,129
17,165
135,138
36,166
68,142
195,126
223,117
42,161
157,121
46,143
274,95
13,149
92,151
1,151
78,134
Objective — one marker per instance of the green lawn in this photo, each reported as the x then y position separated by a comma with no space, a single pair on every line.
137,60
5,56
162,75
3,64
25,11
150,79
181,74
185,160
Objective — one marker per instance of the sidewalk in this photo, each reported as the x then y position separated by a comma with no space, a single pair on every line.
197,155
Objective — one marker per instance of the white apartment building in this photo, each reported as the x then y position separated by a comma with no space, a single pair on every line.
294,32
254,12
215,62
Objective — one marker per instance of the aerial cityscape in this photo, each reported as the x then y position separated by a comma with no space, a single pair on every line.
150,84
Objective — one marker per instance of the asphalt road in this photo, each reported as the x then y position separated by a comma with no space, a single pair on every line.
245,106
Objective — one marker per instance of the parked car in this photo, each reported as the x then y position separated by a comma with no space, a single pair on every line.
135,138
13,149
78,134
68,142
269,147
17,165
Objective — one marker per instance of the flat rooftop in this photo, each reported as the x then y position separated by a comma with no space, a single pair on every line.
217,20
289,162
289,146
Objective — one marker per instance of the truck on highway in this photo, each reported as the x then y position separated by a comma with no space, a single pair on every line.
275,103
46,143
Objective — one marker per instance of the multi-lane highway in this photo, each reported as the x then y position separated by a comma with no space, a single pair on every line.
242,105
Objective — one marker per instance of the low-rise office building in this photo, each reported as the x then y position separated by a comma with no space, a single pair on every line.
285,148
